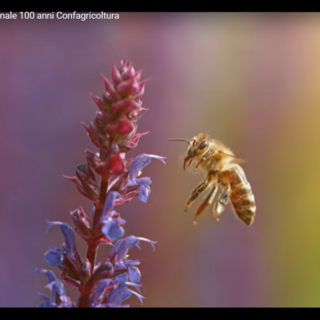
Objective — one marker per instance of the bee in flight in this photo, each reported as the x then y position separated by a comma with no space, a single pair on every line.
225,180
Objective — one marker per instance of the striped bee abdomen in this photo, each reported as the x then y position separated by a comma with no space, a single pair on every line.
241,195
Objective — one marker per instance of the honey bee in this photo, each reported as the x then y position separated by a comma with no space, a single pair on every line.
225,178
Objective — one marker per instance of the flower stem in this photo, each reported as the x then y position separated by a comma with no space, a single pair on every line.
103,193
92,246
91,254
102,198
84,299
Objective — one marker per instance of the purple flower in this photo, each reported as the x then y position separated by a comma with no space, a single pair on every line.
121,248
111,293
135,168
109,203
117,295
59,298
112,223
112,227
97,296
133,272
55,256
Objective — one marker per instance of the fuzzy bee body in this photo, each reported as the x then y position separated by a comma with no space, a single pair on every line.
241,196
225,180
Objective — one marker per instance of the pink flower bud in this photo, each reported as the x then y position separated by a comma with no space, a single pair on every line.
92,159
110,88
81,221
112,166
84,190
128,87
137,76
129,144
102,107
128,73
137,114
116,76
126,105
95,136
122,126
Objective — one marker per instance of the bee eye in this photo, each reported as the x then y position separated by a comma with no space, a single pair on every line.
202,145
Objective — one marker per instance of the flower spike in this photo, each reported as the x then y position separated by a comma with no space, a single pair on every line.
109,178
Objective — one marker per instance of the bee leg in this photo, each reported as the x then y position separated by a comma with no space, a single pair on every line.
210,179
221,203
206,202
200,188
205,156
196,167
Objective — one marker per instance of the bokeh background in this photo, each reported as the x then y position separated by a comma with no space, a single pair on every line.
250,80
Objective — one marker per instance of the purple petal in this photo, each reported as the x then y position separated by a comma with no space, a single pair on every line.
57,288
108,205
122,246
144,193
66,303
101,287
134,274
49,274
140,297
137,164
158,157
117,296
152,243
53,258
142,181
119,221
136,285
115,248
128,262
140,162
68,234
139,182
122,278
112,230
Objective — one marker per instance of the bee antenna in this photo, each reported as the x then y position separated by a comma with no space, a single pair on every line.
180,140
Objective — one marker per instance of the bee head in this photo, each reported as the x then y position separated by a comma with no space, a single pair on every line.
198,146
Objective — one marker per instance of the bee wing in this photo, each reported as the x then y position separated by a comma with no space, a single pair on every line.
233,157
221,146
224,150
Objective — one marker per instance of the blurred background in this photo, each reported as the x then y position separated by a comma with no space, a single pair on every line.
249,80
